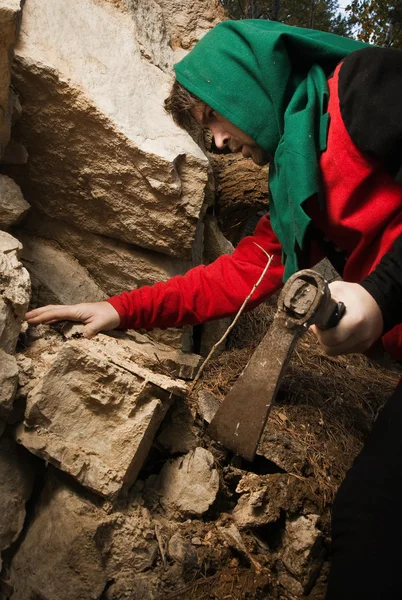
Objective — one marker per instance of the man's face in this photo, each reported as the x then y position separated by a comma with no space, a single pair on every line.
227,135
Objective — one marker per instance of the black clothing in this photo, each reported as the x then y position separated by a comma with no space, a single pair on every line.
366,523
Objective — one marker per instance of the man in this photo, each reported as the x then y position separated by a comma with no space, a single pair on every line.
326,112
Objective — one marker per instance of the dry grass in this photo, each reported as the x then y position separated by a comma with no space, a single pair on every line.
228,584
326,405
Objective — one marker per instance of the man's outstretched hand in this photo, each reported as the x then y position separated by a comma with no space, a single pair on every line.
361,325
96,316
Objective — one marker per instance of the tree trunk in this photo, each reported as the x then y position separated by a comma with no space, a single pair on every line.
241,192
276,7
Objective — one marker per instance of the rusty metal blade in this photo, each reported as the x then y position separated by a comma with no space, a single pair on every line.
241,418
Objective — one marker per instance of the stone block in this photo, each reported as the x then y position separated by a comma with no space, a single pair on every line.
104,156
17,473
301,554
188,26
10,17
8,382
59,558
13,207
94,414
56,276
75,549
15,289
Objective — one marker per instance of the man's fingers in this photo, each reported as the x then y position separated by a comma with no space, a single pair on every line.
90,331
47,314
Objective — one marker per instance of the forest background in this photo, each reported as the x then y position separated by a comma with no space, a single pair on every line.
376,21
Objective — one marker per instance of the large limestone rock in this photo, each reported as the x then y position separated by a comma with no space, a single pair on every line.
13,207
94,413
10,16
76,550
56,276
59,557
114,266
103,154
17,472
15,288
188,26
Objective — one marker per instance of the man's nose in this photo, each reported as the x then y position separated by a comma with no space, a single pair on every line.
221,138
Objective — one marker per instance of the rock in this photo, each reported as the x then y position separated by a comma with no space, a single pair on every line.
232,536
8,382
15,288
189,484
113,265
215,243
74,549
281,449
17,473
10,16
208,405
301,554
182,551
14,154
264,497
57,277
188,26
13,207
60,557
178,434
211,333
147,352
94,414
104,156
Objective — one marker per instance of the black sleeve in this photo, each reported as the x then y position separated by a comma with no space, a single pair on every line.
370,93
385,285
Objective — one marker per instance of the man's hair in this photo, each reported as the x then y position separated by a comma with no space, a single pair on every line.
179,105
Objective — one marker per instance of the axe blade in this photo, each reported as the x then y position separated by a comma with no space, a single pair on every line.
241,418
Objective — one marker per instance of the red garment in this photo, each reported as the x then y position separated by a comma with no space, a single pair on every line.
206,292
362,212
361,215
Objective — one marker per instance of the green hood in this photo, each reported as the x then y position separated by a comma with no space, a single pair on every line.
269,80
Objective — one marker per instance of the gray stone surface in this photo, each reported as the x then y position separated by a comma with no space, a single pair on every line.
186,27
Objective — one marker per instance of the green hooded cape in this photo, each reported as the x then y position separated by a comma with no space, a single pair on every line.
269,80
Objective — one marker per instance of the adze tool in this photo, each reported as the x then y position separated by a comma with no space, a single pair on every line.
240,420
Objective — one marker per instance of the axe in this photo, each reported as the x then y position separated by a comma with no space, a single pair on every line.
240,420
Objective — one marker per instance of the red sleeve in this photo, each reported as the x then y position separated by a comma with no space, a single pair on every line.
206,292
